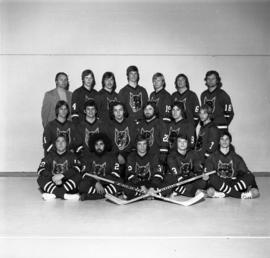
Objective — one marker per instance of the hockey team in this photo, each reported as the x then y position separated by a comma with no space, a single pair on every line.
144,143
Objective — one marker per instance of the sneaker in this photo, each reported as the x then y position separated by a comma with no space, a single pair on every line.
211,192
251,194
48,196
73,197
173,194
205,195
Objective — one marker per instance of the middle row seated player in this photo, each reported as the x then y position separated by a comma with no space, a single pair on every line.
122,132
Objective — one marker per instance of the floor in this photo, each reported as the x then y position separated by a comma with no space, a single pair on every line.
31,227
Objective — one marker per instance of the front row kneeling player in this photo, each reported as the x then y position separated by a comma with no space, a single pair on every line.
59,172
101,163
184,163
233,177
143,169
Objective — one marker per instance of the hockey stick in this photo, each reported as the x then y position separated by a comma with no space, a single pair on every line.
186,203
154,194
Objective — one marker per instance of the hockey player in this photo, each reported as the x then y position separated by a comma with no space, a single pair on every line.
81,95
143,169
59,173
184,163
154,129
161,97
101,163
187,97
218,99
233,178
58,126
89,126
121,131
133,95
208,137
180,124
106,95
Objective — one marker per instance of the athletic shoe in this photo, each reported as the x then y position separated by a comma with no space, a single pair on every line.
211,192
205,195
48,196
173,194
251,194
73,197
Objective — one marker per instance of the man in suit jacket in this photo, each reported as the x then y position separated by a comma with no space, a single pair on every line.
51,97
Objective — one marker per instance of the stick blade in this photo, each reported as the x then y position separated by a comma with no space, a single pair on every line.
189,202
114,199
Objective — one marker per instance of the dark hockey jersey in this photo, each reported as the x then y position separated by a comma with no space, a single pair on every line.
184,166
134,100
101,165
143,170
155,131
79,97
163,101
55,128
122,136
191,104
103,100
229,165
85,130
54,163
181,127
222,107
208,140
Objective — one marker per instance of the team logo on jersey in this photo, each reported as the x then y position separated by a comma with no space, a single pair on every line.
59,168
65,133
184,101
143,172
172,135
185,168
155,100
88,135
225,170
210,102
121,138
149,135
110,101
135,101
99,169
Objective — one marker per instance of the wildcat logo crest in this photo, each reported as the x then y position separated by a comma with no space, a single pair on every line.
143,172
65,133
99,169
135,101
110,101
186,168
88,134
121,138
149,135
225,170
155,100
184,101
59,168
210,102
172,135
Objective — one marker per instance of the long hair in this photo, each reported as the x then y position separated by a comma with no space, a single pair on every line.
106,76
185,77
100,137
86,73
59,104
133,68
156,75
181,106
116,103
219,83
154,105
